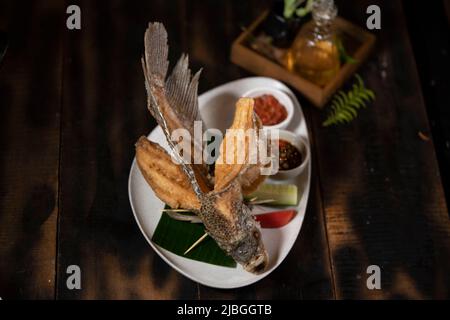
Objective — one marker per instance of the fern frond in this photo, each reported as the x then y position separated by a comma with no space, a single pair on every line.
345,106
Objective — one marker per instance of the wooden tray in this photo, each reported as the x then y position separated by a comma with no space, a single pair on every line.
357,41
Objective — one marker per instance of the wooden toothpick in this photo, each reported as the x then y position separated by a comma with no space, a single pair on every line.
176,210
262,201
203,237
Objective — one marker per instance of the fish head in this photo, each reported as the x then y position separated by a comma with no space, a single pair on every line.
228,220
250,251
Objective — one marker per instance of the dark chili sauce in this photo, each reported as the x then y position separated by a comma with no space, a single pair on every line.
290,156
269,110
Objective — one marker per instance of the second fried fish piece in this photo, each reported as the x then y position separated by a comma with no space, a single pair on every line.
245,164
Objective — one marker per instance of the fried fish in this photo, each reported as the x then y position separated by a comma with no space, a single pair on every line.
173,103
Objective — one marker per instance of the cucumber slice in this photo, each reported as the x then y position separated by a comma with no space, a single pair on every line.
282,194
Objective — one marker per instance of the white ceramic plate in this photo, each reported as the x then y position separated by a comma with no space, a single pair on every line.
217,109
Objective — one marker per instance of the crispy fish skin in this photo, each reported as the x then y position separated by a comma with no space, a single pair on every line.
225,216
229,221
166,178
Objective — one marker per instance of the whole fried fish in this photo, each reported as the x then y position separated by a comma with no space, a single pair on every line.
173,103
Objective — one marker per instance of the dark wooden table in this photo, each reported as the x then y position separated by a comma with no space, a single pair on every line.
72,104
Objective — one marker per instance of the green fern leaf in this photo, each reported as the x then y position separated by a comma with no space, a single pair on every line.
358,100
345,106
370,93
356,106
360,81
365,96
339,101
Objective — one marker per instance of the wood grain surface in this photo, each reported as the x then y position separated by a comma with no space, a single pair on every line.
431,44
72,104
382,194
103,114
30,98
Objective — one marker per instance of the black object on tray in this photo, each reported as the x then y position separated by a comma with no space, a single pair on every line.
280,29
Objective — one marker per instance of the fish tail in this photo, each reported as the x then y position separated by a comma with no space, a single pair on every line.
156,51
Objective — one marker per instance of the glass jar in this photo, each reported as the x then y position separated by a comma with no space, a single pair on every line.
314,54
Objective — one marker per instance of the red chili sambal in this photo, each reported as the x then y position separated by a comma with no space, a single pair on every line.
269,110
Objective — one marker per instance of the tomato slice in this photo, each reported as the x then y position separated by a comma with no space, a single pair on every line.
276,219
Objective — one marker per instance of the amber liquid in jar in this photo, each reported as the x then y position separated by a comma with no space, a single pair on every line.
314,54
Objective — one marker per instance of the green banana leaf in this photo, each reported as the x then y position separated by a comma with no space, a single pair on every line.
177,236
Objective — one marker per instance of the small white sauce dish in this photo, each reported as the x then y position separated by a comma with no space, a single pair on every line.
302,145
282,98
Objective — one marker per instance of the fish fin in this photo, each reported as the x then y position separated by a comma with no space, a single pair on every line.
181,91
156,51
155,63
155,66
